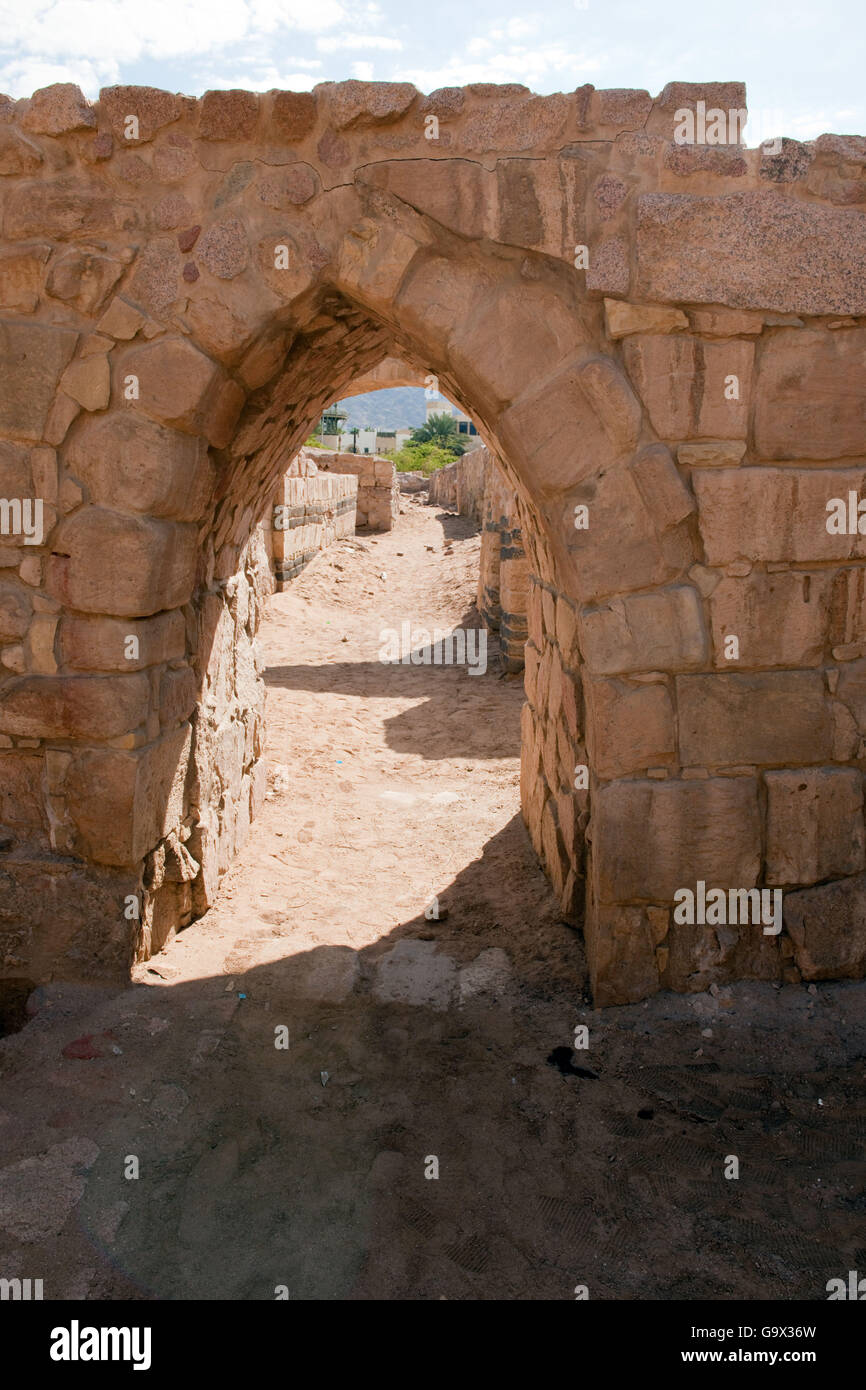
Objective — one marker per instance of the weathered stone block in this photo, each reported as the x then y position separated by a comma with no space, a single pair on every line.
827,925
581,420
123,803
16,610
780,619
100,707
34,355
630,728
22,807
751,250
814,824
774,514
102,644
651,838
178,385
622,318
771,717
107,562
645,632
692,387
810,391
137,465
621,954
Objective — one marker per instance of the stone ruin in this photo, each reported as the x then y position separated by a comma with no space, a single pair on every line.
475,486
311,510
664,343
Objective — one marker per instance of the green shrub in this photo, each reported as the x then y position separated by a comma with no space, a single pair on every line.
421,458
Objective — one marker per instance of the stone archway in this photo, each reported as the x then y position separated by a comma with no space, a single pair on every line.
640,334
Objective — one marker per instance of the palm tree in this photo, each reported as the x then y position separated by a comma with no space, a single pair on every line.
441,430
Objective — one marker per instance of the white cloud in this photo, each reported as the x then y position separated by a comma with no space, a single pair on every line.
533,67
363,71
23,77
117,32
332,43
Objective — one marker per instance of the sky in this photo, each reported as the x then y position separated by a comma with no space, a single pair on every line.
803,63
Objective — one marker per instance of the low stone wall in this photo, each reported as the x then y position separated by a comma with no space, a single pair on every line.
473,474
378,487
442,491
310,513
475,486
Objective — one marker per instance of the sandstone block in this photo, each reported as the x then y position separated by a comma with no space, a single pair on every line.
99,707
500,334
651,838
61,207
809,397
645,632
123,803
101,644
458,194
712,453
630,728
15,612
34,355
178,385
21,275
685,383
133,464
84,279
827,925
774,514
22,807
107,562
780,619
88,381
581,420
771,717
648,550
815,824
178,691
622,319
621,954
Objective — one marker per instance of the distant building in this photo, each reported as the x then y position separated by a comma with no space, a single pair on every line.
331,428
438,405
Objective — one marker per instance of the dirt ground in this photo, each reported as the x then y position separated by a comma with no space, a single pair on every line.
305,1168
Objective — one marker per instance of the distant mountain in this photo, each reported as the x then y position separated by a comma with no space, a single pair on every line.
394,409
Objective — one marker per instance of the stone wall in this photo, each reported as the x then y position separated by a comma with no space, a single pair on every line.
442,490
664,344
311,511
475,486
378,501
